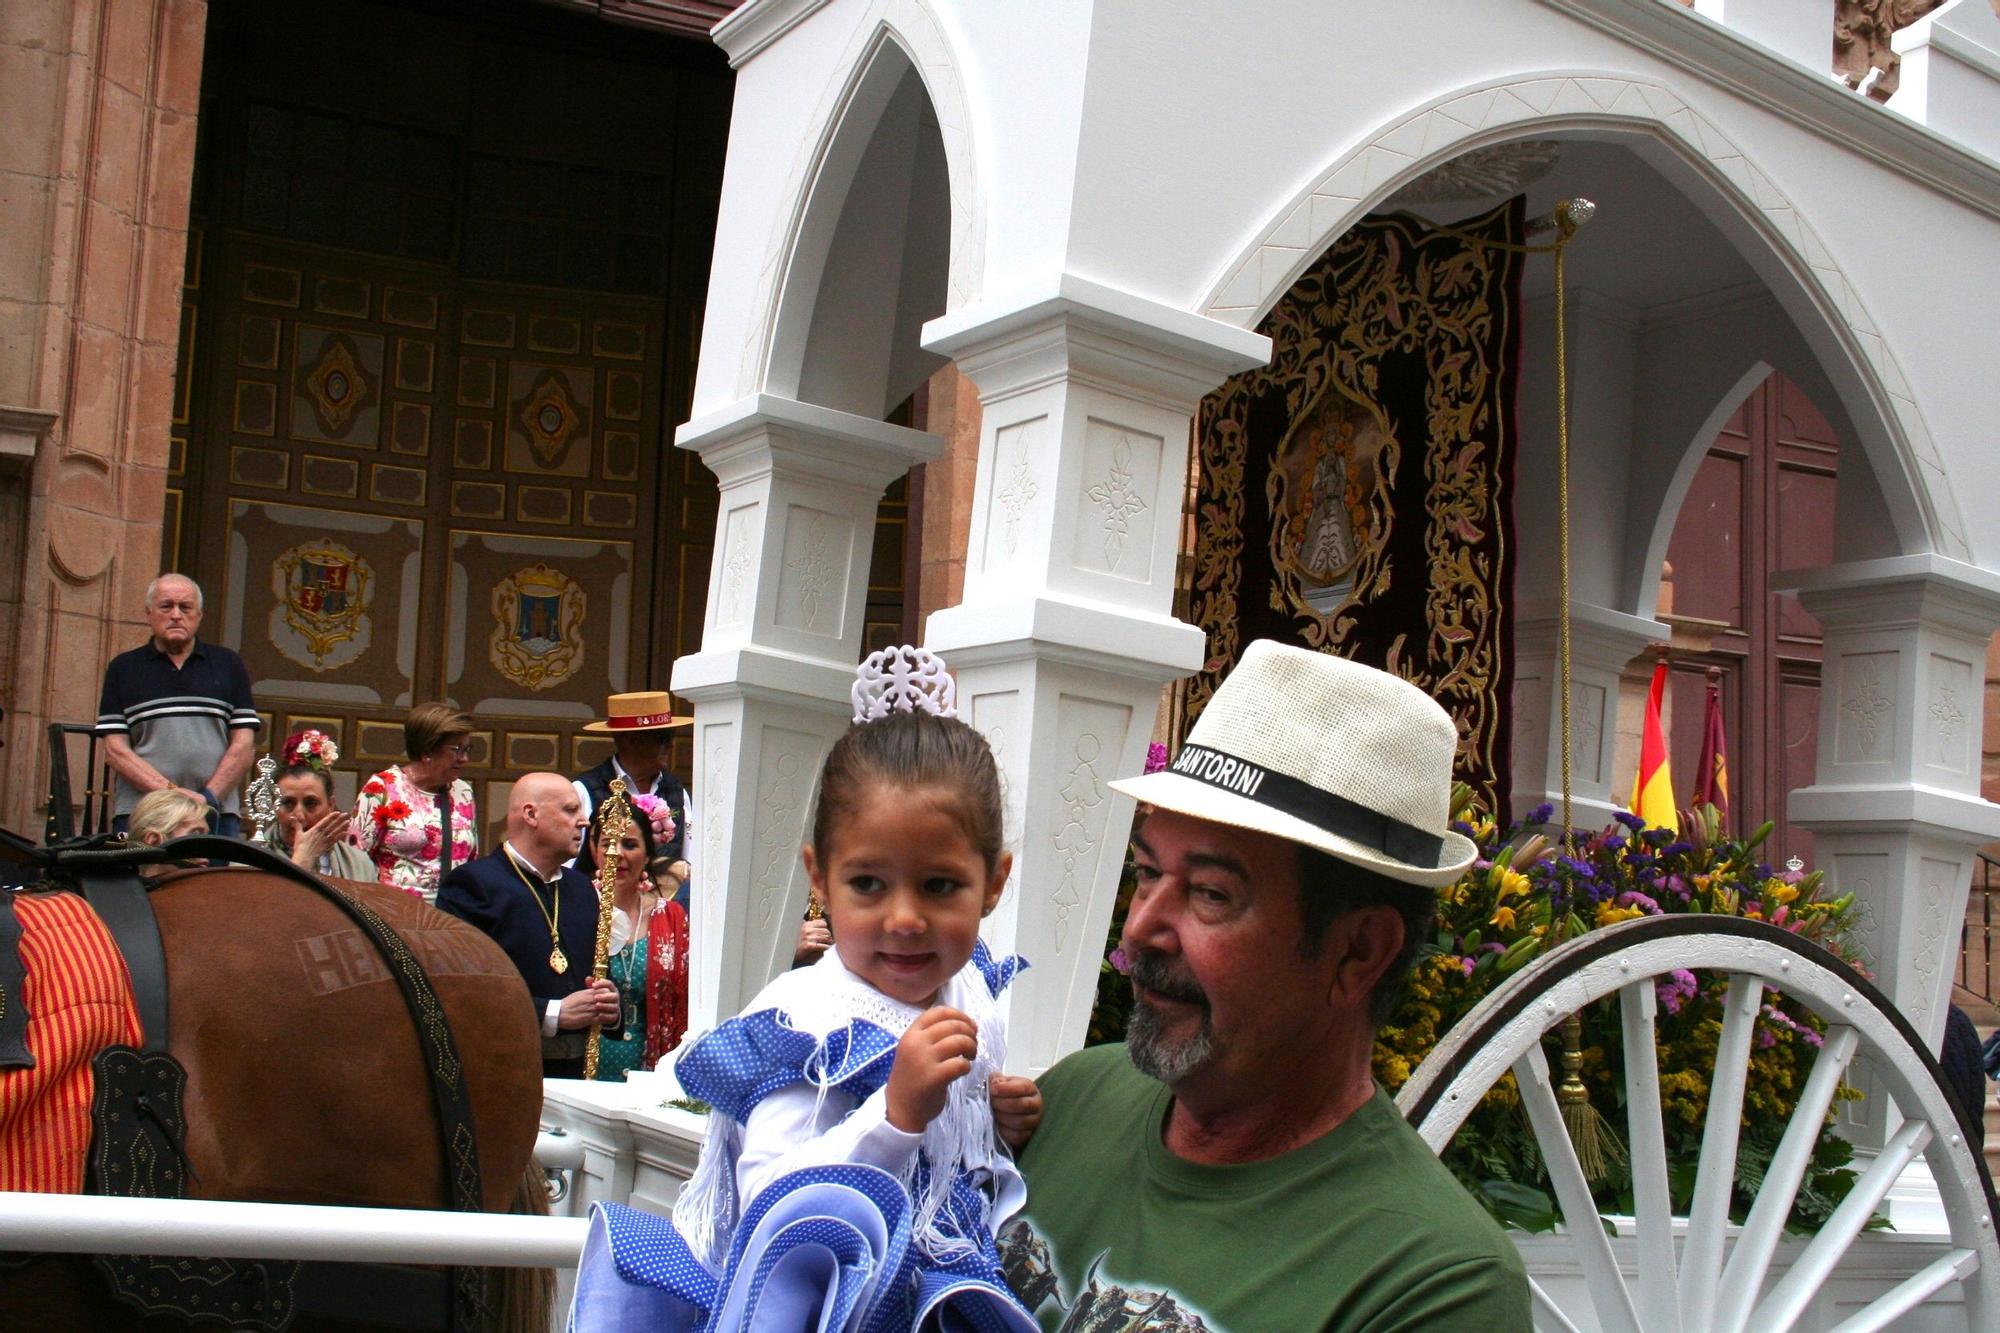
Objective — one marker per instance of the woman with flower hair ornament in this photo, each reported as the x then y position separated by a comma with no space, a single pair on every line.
311,831
869,1083
649,944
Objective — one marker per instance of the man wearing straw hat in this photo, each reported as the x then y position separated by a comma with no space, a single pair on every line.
1234,1165
641,725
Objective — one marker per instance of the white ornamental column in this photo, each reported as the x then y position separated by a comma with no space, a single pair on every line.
1602,642
800,485
1066,632
1894,809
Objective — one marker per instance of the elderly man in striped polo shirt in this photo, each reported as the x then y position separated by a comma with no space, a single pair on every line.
177,712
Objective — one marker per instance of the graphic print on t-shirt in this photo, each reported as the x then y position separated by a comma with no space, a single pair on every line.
1103,1306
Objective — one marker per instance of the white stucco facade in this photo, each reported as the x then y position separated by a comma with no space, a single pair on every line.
1089,206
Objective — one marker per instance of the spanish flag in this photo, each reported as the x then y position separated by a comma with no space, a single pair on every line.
1653,789
1711,784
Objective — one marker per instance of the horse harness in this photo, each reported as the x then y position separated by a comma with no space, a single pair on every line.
138,1122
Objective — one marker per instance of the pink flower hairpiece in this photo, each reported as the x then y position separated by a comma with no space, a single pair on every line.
657,812
903,679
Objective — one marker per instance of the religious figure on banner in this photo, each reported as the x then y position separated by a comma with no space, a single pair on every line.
537,639
321,617
1324,491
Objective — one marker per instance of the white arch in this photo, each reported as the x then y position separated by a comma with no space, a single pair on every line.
817,180
1796,263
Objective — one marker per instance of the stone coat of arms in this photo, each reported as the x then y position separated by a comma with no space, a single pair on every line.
537,637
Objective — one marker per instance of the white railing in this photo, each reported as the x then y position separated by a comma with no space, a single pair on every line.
92,1224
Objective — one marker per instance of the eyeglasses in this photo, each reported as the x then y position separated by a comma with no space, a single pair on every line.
458,751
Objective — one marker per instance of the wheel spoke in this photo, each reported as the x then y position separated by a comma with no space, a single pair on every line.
1652,1204
1751,1259
1715,1178
1788,1300
1908,1295
1600,1270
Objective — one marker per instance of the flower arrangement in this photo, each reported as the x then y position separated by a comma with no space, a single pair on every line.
315,749
1523,895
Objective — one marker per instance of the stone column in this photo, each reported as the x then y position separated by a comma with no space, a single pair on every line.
97,125
1602,643
1895,810
799,487
1066,631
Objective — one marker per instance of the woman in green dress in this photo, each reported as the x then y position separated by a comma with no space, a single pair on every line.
649,941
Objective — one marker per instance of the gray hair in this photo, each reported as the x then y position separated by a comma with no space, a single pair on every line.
153,589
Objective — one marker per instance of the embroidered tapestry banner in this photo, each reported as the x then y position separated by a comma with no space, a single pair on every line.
1355,494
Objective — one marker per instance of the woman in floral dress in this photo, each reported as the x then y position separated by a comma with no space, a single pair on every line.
649,945
417,820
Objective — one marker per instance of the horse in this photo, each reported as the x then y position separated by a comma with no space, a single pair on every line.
306,1078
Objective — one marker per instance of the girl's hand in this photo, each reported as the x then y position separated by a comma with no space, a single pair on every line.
935,1051
318,840
1017,1108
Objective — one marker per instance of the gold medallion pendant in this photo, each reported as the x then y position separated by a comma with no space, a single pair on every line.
556,961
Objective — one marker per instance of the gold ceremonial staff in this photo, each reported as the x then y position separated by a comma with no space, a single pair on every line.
617,818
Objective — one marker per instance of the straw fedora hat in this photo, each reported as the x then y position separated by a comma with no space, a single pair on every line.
1319,750
646,710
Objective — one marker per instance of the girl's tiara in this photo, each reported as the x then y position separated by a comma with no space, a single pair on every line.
903,680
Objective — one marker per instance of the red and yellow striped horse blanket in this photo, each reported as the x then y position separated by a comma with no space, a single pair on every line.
79,999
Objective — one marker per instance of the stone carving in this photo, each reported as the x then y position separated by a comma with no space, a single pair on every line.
778,832
1863,705
1947,717
716,781
1920,996
1118,501
1862,34
736,563
1082,793
537,639
814,569
1019,492
1587,729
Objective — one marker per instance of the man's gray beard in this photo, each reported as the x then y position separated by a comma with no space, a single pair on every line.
1159,1056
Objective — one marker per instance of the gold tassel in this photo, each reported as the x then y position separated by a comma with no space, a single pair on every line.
1596,1143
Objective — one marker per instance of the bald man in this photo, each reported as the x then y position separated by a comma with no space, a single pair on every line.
543,914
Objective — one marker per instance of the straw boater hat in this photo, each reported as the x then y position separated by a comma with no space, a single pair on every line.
1319,750
647,710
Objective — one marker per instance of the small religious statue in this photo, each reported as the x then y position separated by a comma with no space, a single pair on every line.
261,803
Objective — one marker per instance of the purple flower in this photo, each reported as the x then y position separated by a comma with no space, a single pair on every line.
1120,963
1541,814
1633,898
1629,820
1677,849
1675,990
1468,964
1156,757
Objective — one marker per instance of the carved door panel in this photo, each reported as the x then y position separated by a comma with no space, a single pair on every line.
416,487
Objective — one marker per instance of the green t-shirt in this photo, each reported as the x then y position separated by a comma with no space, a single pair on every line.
1361,1229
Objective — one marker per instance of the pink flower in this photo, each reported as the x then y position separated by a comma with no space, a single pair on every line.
1119,962
1156,757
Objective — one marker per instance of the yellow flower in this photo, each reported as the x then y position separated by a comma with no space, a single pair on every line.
1513,884
1779,891
1503,917
1608,915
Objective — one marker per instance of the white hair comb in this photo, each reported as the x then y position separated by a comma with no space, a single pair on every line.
903,679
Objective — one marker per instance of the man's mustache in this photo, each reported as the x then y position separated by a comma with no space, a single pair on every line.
1156,974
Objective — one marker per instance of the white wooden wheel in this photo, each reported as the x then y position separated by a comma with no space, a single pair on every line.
1710,1283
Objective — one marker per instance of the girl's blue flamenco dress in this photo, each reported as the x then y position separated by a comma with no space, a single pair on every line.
833,1247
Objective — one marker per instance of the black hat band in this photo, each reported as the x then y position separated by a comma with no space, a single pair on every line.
1324,810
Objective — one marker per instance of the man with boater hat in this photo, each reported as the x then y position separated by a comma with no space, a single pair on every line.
641,726
1233,1165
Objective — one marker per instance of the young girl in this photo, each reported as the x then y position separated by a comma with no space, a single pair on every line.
886,1052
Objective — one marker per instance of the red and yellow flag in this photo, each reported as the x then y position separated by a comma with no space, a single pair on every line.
1711,783
1653,789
